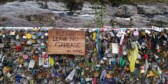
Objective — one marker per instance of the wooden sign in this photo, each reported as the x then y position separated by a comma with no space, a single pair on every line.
66,42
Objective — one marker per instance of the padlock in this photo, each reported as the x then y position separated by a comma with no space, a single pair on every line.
25,64
82,81
25,81
24,37
18,43
25,56
142,69
33,41
39,34
36,52
23,43
42,36
29,77
17,78
143,34
28,36
17,48
136,33
21,33
157,48
96,74
151,74
12,32
12,40
29,42
6,69
34,36
46,34
38,41
108,76
122,62
147,31
43,46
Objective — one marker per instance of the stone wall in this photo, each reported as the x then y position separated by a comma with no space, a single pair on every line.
140,15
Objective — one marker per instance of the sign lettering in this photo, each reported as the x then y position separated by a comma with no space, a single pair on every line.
66,42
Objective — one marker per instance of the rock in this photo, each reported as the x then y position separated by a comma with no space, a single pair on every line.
3,19
144,9
87,5
163,8
160,21
121,21
139,21
160,18
30,13
134,21
17,22
126,10
87,9
44,17
111,11
56,6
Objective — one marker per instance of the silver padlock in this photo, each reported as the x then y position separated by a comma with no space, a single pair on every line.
34,36
29,42
17,37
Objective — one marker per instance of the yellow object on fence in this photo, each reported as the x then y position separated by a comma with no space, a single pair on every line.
133,54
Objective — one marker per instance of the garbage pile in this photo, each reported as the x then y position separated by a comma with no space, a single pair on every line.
113,56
